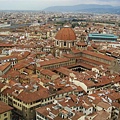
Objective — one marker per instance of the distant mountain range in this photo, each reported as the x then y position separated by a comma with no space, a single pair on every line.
90,8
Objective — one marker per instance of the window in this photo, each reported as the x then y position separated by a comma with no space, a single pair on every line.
57,43
72,43
5,114
64,43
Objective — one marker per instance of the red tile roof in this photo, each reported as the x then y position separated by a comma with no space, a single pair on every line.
6,45
93,61
47,72
98,55
82,44
4,66
28,97
53,61
66,33
4,107
104,105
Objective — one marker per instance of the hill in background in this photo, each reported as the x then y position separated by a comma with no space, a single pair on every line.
90,8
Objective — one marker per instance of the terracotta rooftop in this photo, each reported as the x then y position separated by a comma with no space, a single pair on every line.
6,45
1,85
4,107
98,55
102,115
28,97
103,105
82,44
4,66
85,65
93,61
66,33
64,71
47,72
53,61
114,96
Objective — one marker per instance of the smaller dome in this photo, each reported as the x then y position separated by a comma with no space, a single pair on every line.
66,33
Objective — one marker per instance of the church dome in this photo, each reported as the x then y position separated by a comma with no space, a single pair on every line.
66,33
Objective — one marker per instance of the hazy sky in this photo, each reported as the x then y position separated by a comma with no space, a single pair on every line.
41,4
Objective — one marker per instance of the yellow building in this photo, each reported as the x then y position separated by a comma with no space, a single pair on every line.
5,111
